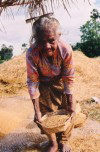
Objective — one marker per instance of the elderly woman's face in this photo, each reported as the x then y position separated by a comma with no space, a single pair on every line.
49,43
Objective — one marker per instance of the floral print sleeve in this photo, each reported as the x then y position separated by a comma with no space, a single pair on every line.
68,69
32,76
49,71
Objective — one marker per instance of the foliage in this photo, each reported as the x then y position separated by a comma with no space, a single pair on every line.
6,53
24,45
90,38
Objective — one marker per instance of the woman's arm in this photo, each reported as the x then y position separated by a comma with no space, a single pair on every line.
33,84
37,110
68,76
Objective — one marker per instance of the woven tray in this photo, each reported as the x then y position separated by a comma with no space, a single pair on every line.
58,127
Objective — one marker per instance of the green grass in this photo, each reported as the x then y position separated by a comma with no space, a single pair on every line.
91,109
1,61
94,113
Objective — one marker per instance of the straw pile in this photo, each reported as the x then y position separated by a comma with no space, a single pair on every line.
13,75
87,76
86,84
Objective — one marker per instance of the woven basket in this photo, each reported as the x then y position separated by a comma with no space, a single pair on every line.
59,128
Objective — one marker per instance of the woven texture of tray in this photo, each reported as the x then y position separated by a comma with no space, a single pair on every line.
56,126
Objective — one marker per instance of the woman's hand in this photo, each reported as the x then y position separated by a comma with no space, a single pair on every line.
37,117
71,106
68,103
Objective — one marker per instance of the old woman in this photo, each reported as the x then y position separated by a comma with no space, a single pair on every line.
50,73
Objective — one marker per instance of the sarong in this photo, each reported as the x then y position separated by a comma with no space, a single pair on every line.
51,100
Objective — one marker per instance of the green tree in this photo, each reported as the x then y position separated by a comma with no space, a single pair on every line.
90,38
24,47
6,53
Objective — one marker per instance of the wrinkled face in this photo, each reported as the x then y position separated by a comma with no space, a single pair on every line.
49,43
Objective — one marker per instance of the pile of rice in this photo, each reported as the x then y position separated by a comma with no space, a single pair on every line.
55,121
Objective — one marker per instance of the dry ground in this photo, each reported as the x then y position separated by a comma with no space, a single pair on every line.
16,115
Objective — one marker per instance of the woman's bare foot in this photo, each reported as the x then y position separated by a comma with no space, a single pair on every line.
65,148
53,148
54,144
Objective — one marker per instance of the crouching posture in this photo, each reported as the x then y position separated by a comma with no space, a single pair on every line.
50,74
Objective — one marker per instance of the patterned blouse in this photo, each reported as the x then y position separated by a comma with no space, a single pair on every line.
40,69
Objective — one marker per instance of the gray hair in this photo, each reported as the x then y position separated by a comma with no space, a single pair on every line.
45,24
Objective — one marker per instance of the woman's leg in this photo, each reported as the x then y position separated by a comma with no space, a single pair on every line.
63,143
54,144
50,101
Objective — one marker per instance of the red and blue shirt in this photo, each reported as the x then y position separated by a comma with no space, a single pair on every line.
40,69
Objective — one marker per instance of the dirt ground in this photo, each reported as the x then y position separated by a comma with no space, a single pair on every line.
16,127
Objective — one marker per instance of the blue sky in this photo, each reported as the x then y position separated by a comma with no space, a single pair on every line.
17,31
98,2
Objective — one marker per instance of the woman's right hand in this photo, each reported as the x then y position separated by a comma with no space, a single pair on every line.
37,117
